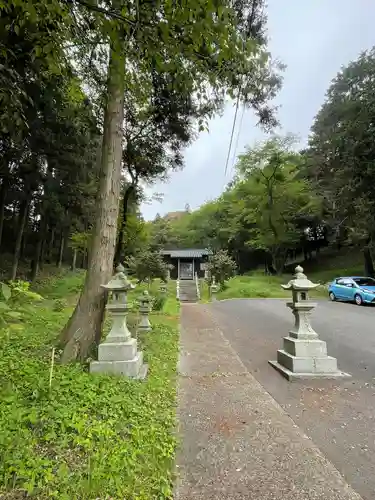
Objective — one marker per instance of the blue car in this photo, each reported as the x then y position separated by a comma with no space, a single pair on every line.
353,289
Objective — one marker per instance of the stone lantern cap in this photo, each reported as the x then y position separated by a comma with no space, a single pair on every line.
300,282
145,298
119,282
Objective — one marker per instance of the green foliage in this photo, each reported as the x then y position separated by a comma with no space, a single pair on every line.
158,302
21,293
80,240
274,197
59,305
258,286
89,436
265,209
6,291
222,266
147,265
340,158
14,298
61,287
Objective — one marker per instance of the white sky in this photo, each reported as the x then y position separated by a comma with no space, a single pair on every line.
314,38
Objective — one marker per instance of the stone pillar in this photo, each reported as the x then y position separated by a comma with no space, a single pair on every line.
144,310
118,354
214,289
304,355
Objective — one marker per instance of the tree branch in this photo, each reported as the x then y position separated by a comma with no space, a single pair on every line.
101,10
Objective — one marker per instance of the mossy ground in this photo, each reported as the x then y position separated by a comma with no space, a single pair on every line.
86,437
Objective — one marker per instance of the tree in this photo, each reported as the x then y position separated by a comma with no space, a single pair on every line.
154,137
32,34
221,266
264,212
274,197
147,265
340,157
47,136
212,49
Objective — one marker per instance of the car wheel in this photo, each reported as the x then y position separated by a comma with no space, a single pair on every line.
332,296
358,300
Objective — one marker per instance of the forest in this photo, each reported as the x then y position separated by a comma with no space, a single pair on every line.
99,100
285,203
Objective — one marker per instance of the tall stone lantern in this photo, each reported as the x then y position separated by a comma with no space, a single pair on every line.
214,289
145,306
118,354
304,355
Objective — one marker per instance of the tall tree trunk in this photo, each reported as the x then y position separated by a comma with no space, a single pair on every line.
24,208
84,327
51,245
63,241
278,260
369,265
119,254
35,265
3,193
85,264
43,249
23,244
83,253
74,260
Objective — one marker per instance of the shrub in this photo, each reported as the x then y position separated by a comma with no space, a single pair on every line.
222,266
158,302
147,265
59,305
13,299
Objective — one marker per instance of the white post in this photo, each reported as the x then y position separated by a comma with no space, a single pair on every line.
197,286
214,289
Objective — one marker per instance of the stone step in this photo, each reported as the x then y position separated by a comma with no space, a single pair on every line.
188,291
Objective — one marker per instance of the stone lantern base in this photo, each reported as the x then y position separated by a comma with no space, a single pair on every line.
304,355
305,359
120,358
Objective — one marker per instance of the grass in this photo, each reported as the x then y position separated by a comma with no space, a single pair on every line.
257,285
89,436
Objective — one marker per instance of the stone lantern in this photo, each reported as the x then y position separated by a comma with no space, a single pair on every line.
304,354
118,354
163,288
214,288
144,310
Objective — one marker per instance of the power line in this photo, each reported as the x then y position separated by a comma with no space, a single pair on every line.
233,127
238,137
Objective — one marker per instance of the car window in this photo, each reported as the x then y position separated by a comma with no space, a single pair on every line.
349,283
345,282
365,281
340,282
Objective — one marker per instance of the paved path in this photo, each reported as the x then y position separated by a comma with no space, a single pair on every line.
339,416
237,442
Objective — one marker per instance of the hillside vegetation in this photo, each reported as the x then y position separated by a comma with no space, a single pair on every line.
83,436
330,265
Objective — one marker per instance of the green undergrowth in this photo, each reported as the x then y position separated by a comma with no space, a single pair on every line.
86,437
257,285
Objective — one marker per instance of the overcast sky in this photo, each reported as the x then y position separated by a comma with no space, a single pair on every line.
314,38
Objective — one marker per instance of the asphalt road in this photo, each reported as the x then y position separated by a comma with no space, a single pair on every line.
339,416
